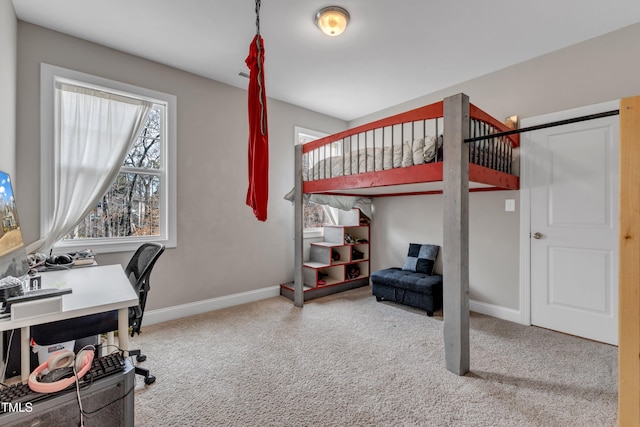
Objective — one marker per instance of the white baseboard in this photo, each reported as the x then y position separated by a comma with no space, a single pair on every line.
496,311
178,311
190,309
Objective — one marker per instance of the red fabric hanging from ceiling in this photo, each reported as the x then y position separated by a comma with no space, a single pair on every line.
258,192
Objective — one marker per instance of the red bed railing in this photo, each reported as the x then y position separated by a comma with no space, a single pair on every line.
406,139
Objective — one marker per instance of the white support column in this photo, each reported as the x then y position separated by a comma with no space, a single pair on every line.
123,330
25,353
298,292
455,247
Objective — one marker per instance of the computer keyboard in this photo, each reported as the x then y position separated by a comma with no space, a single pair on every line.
104,366
101,367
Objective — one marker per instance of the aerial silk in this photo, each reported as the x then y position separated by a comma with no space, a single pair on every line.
258,192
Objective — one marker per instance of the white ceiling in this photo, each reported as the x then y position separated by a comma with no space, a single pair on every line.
392,51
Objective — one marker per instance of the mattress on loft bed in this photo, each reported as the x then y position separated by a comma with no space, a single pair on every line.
375,159
408,154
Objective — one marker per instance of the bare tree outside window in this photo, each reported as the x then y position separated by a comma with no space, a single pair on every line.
131,207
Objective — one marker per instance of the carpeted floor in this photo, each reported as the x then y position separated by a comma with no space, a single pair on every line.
347,360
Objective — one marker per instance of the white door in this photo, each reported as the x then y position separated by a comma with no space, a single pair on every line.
574,232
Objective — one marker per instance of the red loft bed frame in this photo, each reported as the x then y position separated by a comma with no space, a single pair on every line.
489,160
326,166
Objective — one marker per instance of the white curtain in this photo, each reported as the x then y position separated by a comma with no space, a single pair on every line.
94,131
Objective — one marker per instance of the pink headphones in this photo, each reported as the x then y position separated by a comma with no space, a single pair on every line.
61,359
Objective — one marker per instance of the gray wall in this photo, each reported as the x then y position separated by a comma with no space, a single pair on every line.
216,230
8,48
598,70
493,240
222,249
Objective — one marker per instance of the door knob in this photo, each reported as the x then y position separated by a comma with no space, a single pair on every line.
537,235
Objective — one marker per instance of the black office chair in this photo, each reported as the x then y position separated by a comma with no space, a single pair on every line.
138,271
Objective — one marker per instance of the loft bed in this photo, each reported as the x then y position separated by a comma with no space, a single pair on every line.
450,147
403,154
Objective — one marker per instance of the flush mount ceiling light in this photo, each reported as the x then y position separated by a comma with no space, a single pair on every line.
332,20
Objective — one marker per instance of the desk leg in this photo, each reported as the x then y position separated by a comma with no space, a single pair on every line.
111,342
2,356
123,330
25,355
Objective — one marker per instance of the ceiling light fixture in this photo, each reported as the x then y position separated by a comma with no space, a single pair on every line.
332,20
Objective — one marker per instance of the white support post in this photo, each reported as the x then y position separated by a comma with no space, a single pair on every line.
298,291
455,247
25,353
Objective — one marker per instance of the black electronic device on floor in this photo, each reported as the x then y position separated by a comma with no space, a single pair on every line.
100,368
107,391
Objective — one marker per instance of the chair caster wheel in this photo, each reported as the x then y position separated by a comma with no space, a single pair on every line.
141,358
150,380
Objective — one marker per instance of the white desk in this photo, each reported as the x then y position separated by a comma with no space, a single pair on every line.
95,290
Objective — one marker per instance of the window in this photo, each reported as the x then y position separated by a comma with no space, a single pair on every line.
140,205
314,216
131,207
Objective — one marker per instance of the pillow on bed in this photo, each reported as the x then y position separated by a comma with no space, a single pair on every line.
430,148
392,157
413,152
421,258
407,155
397,156
418,151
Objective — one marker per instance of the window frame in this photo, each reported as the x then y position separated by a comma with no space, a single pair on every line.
49,75
316,232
